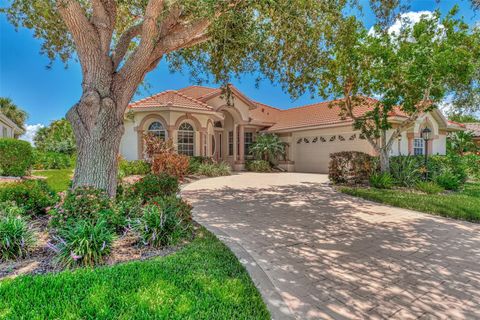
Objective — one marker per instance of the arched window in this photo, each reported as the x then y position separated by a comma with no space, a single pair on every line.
186,139
157,129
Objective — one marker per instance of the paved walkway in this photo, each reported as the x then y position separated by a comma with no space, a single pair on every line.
318,254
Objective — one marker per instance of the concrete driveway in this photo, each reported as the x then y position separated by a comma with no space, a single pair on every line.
318,254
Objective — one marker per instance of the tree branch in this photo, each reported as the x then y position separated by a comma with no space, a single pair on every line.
123,44
103,18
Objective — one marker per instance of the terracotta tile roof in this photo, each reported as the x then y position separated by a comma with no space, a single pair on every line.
316,114
265,113
473,127
171,98
198,92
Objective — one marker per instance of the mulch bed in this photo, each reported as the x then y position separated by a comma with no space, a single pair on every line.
41,259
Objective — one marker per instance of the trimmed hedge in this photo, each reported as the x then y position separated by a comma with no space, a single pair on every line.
136,167
34,196
350,167
52,160
16,157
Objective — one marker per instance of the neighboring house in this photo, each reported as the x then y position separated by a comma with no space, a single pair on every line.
474,128
8,129
202,123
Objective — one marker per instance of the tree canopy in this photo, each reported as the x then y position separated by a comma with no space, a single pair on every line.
57,137
13,112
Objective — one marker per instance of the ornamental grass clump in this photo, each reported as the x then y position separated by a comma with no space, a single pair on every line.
16,238
84,243
214,169
258,166
428,187
164,221
381,180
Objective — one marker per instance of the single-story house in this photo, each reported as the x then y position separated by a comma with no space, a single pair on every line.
474,128
8,128
202,123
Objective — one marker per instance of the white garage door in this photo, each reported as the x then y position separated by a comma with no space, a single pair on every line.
312,153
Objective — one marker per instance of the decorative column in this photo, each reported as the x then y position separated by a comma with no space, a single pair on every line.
140,154
241,133
235,141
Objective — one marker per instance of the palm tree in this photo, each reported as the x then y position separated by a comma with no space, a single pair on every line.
461,142
13,112
268,147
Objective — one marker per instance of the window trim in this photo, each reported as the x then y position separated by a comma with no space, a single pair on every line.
186,148
247,143
230,143
417,148
161,131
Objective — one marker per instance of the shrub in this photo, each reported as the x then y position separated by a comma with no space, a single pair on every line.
83,203
258,166
195,162
52,160
448,180
129,207
214,169
428,187
16,238
84,243
16,157
405,170
350,167
381,180
135,167
471,163
170,163
153,185
35,196
452,163
164,221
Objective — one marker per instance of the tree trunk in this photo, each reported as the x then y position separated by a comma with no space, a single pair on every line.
98,129
384,160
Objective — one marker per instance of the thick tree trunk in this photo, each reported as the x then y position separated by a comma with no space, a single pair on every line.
98,129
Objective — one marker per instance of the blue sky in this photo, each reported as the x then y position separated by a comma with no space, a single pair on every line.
47,94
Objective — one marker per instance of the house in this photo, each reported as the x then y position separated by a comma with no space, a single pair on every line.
202,122
8,129
474,128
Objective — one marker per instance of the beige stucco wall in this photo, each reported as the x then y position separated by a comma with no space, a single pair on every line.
6,131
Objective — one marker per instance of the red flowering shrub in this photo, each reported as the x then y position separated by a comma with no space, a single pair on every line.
350,167
163,157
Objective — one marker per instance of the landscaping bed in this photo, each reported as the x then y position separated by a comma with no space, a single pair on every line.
203,280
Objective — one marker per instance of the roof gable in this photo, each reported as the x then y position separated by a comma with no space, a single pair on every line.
171,98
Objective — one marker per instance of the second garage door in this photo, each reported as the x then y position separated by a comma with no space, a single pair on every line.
312,153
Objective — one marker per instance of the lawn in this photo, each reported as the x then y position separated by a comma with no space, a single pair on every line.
464,204
202,281
58,180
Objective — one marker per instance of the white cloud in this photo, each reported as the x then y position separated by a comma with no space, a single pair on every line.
406,19
30,131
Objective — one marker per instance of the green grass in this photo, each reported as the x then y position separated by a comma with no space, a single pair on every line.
202,281
464,204
58,179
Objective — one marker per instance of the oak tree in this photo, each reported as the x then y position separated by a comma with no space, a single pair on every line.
117,42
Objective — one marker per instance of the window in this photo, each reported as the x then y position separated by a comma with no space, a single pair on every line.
4,132
157,129
230,143
248,140
418,146
186,138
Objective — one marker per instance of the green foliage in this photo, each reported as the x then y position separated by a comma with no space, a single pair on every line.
472,166
428,187
214,169
204,280
164,221
405,170
52,160
16,157
258,166
13,112
58,137
82,203
84,243
16,238
136,167
195,162
35,196
58,180
463,204
268,147
350,167
461,142
448,181
381,180
152,186
463,118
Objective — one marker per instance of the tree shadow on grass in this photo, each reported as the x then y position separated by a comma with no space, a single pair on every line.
334,256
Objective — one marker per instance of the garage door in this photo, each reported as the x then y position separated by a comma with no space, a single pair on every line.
312,153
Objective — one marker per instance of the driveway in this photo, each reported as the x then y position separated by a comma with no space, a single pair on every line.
318,254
